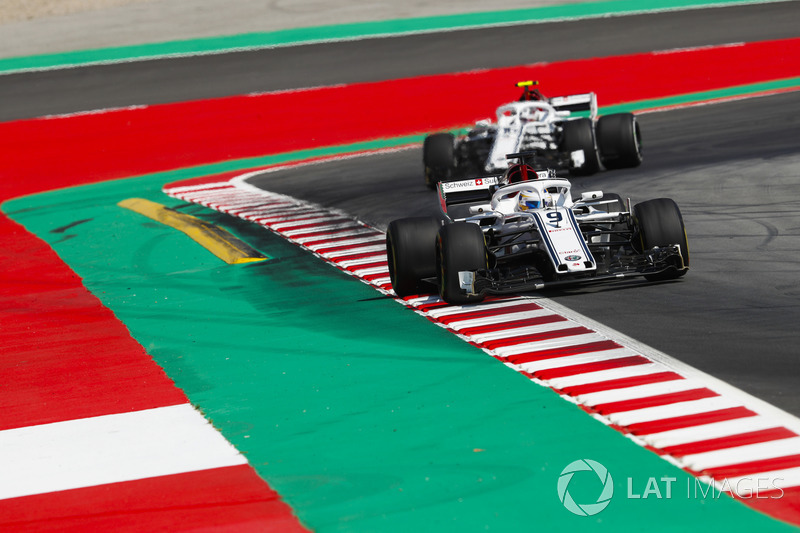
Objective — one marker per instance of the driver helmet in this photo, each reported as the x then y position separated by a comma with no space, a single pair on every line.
529,199
533,114
532,199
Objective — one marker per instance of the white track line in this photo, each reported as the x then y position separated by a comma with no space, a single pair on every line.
110,449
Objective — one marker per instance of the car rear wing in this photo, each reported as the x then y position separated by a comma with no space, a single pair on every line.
456,197
576,103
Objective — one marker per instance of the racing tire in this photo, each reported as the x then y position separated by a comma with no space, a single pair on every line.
619,140
659,223
579,135
438,156
411,253
459,247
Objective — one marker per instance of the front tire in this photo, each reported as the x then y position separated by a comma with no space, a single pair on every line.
411,253
459,247
659,223
619,140
579,135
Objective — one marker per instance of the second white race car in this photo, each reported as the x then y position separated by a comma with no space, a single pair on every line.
564,133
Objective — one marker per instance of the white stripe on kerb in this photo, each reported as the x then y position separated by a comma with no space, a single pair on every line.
521,331
761,484
319,229
691,407
603,376
357,230
639,391
548,344
349,243
451,310
497,319
109,449
573,360
373,270
355,250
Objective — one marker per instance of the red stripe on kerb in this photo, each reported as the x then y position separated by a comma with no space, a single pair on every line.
654,401
283,219
589,347
587,368
355,257
373,277
364,235
346,247
752,467
699,419
781,504
365,266
499,326
485,313
621,383
536,337
730,441
321,233
289,226
228,499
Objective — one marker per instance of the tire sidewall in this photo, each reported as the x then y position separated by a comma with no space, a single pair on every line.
459,247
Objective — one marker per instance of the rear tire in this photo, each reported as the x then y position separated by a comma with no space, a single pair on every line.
619,140
438,156
579,135
411,253
659,223
459,247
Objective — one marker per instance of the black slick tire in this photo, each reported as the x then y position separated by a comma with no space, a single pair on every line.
438,157
659,223
619,140
578,134
459,247
411,253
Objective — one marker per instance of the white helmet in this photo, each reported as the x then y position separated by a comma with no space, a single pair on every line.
529,199
533,199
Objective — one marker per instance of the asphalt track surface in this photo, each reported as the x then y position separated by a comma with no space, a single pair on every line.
731,167
174,80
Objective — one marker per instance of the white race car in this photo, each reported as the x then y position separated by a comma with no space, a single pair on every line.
523,231
553,128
